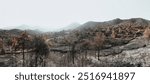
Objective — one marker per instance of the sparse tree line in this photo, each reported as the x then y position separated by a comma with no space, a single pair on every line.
26,44
96,40
78,42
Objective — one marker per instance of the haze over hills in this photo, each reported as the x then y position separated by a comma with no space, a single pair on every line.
114,42
42,28
91,25
24,27
76,26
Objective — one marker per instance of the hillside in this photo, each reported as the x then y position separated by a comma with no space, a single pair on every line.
118,43
118,36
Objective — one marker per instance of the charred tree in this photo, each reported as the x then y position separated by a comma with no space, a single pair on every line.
98,42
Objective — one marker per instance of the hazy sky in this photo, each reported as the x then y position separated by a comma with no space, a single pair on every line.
60,13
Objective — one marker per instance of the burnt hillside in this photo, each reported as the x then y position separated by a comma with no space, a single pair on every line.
118,42
116,32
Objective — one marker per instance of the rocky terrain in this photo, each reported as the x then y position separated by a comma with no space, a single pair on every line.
115,43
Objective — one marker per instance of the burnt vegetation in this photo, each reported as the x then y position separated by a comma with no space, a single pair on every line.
91,44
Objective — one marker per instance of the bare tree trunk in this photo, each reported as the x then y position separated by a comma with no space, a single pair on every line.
85,54
82,60
98,53
73,53
11,51
44,61
36,60
69,55
15,52
23,55
68,58
95,53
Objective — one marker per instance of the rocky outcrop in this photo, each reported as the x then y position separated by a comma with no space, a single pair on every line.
136,43
136,53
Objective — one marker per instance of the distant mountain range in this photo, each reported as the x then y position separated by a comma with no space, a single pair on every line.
42,29
18,32
115,22
76,26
